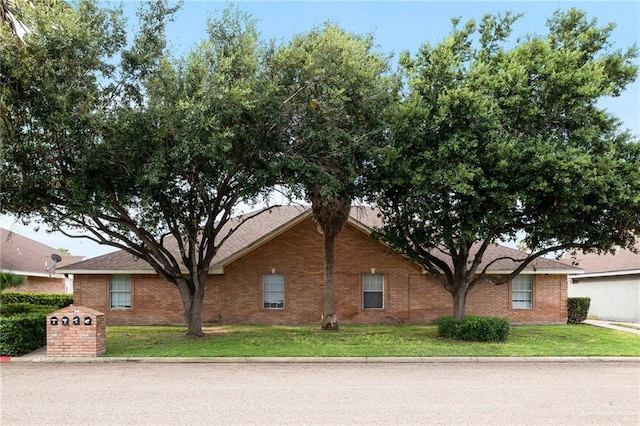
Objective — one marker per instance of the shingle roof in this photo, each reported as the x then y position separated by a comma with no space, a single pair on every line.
24,256
503,258
269,224
621,260
253,232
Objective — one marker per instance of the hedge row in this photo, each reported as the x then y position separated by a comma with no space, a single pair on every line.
22,333
23,320
578,309
48,299
9,309
481,329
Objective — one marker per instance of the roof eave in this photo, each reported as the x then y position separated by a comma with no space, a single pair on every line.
34,274
606,274
525,272
108,271
536,272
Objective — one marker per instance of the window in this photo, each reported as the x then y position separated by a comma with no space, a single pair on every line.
373,290
273,291
120,291
521,292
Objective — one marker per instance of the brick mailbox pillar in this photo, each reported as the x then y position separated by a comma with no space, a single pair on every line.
76,331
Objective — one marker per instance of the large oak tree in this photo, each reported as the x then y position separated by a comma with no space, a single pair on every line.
499,139
131,147
334,92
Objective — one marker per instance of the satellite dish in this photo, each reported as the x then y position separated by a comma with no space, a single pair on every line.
56,258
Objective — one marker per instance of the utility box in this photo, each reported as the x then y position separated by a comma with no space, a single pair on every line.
76,331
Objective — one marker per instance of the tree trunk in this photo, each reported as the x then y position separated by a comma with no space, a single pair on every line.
459,303
192,302
329,317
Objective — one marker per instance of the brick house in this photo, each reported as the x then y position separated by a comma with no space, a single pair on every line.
20,255
271,272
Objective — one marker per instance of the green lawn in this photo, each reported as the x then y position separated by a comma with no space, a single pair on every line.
361,341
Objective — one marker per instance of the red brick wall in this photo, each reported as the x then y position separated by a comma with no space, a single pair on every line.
236,296
42,285
71,340
549,301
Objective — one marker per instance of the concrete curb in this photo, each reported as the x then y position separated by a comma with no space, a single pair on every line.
322,360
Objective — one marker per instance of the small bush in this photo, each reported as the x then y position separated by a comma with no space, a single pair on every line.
481,329
578,308
49,299
448,327
22,333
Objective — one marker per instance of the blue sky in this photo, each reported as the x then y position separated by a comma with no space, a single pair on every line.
397,26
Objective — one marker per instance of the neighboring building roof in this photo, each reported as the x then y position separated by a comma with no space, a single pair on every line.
23,256
621,262
269,224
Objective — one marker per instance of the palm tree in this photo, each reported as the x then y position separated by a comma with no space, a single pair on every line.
9,10
8,280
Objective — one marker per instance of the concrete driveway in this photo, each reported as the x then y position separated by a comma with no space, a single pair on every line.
316,394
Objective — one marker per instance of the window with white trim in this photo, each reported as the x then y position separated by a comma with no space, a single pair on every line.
120,291
372,291
273,291
522,292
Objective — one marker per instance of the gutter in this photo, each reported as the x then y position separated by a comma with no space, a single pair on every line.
606,274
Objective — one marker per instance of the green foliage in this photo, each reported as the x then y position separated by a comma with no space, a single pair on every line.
23,318
480,329
334,94
57,301
335,91
139,149
22,333
498,138
578,309
8,309
8,280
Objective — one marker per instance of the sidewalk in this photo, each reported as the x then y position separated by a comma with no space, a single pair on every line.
611,324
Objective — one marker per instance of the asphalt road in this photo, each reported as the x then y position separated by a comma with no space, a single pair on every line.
316,394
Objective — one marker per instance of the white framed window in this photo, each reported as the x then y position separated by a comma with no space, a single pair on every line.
120,291
522,292
372,291
273,291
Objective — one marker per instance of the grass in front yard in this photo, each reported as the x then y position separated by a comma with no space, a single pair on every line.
361,341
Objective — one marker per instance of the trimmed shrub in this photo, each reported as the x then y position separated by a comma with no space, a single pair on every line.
480,329
448,327
22,333
578,308
23,320
8,309
48,299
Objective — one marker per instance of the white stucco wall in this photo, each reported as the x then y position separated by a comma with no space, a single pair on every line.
612,298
